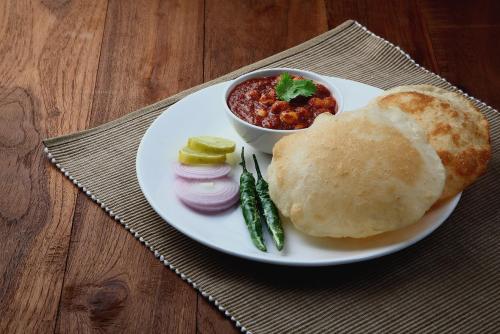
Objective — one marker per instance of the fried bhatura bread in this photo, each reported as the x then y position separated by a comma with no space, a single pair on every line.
456,129
355,174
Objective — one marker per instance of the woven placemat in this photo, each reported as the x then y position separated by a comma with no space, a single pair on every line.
449,282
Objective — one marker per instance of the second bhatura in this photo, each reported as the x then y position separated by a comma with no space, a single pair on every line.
381,167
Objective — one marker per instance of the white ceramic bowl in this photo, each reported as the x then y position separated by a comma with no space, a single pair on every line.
263,139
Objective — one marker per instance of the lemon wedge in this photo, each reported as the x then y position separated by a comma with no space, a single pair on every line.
209,144
189,156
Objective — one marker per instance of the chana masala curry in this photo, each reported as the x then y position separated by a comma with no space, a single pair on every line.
284,102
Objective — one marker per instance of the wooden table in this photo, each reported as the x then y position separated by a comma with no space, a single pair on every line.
70,65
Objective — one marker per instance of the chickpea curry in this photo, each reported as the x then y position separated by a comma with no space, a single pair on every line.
262,102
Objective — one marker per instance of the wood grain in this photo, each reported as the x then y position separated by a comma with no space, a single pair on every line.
114,284
397,21
150,50
67,65
238,33
464,38
48,64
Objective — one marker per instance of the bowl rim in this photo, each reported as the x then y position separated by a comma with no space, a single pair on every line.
274,71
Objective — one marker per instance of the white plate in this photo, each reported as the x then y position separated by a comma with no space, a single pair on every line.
201,114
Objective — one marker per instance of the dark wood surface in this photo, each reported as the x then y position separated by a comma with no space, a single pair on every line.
66,65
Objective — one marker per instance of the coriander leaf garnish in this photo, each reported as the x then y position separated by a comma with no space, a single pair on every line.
288,89
285,83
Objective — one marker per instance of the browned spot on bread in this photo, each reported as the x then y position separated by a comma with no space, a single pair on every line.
483,157
453,113
445,105
456,139
446,157
410,102
441,129
465,163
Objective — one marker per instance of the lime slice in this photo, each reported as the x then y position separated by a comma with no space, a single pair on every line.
189,156
209,144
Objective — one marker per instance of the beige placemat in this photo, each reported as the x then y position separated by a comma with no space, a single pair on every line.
448,282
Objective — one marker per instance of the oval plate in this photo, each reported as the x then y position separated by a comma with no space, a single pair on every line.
201,113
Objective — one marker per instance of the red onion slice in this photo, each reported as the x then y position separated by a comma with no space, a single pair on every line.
202,172
208,196
209,208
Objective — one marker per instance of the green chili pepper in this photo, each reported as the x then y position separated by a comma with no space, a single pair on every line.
248,202
269,209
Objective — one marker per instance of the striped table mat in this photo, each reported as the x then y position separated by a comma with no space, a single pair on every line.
449,282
